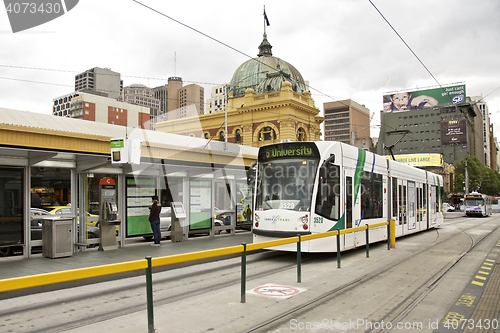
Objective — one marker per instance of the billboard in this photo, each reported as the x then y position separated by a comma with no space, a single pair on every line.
454,131
420,160
428,98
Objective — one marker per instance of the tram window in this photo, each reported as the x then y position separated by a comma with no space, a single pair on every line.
394,197
400,201
371,195
404,204
328,197
420,197
285,184
424,201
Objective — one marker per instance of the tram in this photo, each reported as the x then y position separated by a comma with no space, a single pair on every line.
303,188
495,204
477,204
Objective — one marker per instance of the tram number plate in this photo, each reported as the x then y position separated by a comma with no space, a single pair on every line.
287,205
318,219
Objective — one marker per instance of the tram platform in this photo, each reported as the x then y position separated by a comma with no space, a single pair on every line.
16,266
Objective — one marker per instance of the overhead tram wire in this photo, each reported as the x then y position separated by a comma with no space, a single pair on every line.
189,27
408,46
224,44
416,56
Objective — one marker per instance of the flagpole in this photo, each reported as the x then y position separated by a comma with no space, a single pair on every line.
264,19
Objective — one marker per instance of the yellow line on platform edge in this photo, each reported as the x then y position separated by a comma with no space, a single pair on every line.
69,275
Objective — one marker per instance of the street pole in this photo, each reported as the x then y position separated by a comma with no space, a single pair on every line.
466,178
225,117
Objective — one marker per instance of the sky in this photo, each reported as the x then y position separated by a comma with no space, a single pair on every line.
345,49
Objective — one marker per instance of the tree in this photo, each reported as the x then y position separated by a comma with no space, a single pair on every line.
481,178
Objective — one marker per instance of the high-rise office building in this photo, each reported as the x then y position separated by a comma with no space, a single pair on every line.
101,80
181,99
161,94
139,94
91,107
346,121
218,100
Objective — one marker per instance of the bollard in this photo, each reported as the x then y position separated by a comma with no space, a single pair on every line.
299,261
392,224
243,271
367,242
149,293
338,248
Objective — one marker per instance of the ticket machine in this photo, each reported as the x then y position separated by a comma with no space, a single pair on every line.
177,220
108,214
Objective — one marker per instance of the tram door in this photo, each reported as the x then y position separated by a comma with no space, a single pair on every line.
432,205
349,239
402,213
348,202
412,203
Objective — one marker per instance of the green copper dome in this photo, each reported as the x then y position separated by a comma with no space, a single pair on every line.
265,74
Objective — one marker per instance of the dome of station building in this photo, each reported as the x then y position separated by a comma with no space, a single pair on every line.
137,85
265,74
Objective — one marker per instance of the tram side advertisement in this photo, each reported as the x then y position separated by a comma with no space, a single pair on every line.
139,193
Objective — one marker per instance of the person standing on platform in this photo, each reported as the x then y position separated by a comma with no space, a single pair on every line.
154,219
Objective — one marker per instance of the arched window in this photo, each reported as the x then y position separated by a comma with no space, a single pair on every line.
238,136
267,134
221,136
301,134
206,136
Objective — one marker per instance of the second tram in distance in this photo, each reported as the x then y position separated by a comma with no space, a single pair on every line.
477,204
313,187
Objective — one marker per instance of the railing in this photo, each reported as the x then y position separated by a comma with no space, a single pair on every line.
148,263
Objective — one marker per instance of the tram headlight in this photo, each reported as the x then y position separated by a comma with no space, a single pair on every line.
257,219
305,220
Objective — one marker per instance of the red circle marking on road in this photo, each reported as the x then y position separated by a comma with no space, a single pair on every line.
278,291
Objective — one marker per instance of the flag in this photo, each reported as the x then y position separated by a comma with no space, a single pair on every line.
265,18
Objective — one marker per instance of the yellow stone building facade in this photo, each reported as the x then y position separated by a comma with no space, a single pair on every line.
268,102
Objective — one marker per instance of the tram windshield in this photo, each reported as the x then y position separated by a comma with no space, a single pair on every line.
474,202
286,184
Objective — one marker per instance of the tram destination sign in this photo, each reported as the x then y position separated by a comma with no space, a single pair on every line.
288,150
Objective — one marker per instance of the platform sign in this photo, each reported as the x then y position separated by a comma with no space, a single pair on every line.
126,150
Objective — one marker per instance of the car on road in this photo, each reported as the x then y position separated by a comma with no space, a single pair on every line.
448,208
225,216
92,219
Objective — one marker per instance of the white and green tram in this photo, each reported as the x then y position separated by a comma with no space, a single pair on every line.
305,188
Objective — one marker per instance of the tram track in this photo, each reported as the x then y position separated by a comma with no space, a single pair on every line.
79,310
402,308
429,287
